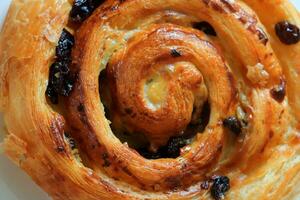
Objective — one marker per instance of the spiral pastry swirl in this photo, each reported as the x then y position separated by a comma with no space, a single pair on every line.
181,99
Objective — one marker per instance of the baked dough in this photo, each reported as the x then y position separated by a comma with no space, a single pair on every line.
159,67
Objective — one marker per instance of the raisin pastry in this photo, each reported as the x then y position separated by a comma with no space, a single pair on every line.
139,99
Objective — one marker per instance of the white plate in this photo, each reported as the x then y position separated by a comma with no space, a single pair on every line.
14,183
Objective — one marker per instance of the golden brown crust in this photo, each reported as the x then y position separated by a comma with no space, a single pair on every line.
154,90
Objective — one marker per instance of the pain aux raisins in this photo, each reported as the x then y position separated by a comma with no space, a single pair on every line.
221,184
287,33
60,78
82,9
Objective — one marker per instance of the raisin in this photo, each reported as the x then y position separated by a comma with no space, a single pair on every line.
221,184
51,94
287,33
82,9
278,93
95,3
64,47
58,71
233,124
60,81
170,150
79,14
175,53
67,86
205,27
174,145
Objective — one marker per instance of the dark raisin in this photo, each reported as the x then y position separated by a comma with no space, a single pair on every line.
262,36
174,145
67,86
278,93
233,124
82,9
51,94
65,44
287,33
60,81
221,184
170,150
205,27
95,3
79,14
175,53
58,71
